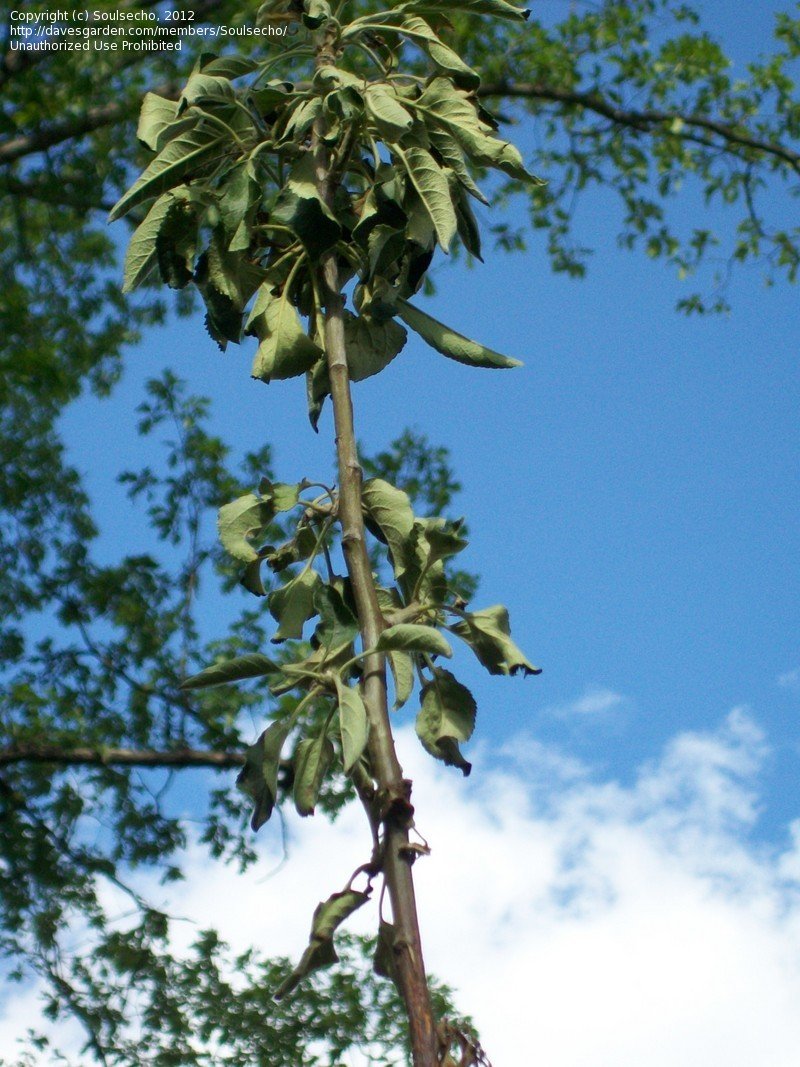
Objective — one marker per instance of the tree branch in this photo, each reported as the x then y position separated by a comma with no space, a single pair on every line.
642,121
128,757
393,798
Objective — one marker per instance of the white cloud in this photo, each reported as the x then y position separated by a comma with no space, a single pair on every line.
593,701
790,680
584,923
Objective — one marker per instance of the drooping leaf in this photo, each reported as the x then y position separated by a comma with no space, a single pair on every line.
176,241
353,724
320,953
390,118
282,495
413,637
301,208
385,962
500,8
286,350
337,627
488,633
251,665
402,667
259,776
456,112
292,605
312,759
239,521
140,258
442,538
389,515
237,204
370,345
431,184
186,156
231,66
451,344
156,115
418,30
206,88
227,280
446,718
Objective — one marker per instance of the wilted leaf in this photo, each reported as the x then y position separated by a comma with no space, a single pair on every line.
488,632
451,344
252,665
431,184
240,520
389,515
402,667
413,637
370,345
353,724
446,718
186,156
292,604
391,119
328,916
156,115
259,776
312,759
286,350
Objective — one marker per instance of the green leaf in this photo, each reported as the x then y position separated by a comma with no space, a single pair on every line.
370,345
413,637
389,516
206,88
301,208
390,118
232,66
186,156
292,605
488,632
431,184
402,667
443,538
312,759
337,628
140,258
455,111
238,202
446,718
453,157
176,241
282,495
423,35
252,665
240,520
353,724
500,8
259,776
286,350
320,953
156,115
451,344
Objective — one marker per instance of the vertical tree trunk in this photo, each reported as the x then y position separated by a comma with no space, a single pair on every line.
393,790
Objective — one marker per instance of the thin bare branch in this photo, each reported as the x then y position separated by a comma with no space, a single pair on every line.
644,121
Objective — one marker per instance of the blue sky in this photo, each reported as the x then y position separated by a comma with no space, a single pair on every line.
632,491
627,840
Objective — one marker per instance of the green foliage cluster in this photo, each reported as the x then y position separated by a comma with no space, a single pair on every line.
250,193
633,97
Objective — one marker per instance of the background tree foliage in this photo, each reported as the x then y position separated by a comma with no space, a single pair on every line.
635,97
